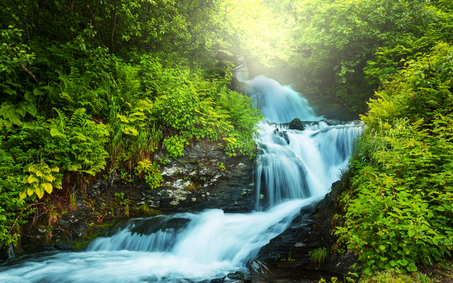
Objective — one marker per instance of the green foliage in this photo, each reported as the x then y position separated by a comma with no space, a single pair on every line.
13,53
420,91
150,172
11,205
395,276
175,145
221,166
41,178
97,82
80,139
346,49
71,144
319,256
399,206
206,109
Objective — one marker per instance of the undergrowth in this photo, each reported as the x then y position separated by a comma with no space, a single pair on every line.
399,206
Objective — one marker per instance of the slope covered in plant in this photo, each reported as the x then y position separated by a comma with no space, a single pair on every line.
399,207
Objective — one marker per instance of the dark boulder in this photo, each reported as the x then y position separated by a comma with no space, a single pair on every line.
283,135
238,86
310,230
296,124
218,280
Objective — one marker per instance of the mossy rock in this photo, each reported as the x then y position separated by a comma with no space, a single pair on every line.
296,124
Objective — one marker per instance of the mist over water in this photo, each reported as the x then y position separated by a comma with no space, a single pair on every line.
280,104
294,169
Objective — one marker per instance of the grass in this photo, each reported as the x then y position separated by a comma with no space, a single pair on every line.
395,276
441,273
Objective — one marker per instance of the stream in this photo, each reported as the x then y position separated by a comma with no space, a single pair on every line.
294,169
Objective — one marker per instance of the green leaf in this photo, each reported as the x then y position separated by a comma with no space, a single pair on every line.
412,267
47,187
39,192
122,118
30,191
32,179
22,195
130,131
49,178
403,262
74,167
54,132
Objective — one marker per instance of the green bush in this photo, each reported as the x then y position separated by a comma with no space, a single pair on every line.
199,108
400,204
175,145
420,91
151,172
399,207
11,205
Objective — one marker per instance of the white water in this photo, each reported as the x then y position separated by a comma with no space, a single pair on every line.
199,247
296,164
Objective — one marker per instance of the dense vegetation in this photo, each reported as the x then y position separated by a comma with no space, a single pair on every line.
89,87
399,207
345,49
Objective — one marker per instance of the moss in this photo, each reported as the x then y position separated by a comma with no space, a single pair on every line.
91,234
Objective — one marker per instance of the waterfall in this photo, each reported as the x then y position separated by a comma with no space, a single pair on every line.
296,164
280,104
294,169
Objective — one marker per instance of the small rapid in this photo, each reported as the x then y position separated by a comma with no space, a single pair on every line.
294,169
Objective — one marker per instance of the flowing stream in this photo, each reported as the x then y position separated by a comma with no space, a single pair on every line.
294,169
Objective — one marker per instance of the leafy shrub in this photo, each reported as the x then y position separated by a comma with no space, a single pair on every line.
395,276
175,145
80,139
41,178
400,202
205,109
11,205
420,91
69,144
151,172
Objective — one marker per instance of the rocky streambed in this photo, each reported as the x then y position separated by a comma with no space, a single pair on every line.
204,178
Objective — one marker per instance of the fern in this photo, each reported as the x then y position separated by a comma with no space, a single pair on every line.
14,114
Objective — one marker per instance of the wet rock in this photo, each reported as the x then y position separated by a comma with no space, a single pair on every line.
341,263
238,86
310,230
205,177
331,122
237,277
296,124
257,266
283,135
218,280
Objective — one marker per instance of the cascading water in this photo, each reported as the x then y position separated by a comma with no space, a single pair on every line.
295,168
296,164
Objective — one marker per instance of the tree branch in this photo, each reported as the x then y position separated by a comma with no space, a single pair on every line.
28,72
112,46
17,218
